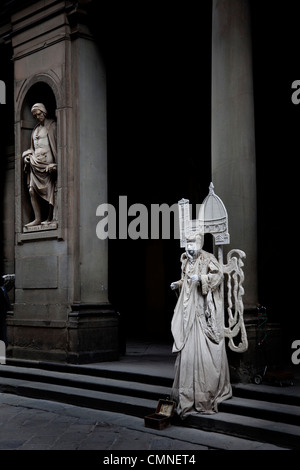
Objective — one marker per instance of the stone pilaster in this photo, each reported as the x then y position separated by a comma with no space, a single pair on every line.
233,138
234,169
61,309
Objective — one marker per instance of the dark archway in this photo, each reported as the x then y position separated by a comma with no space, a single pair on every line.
40,92
7,156
159,117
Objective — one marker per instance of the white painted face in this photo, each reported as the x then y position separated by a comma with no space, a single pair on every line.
191,248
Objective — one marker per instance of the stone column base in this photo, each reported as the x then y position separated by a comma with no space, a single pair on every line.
264,349
89,335
92,334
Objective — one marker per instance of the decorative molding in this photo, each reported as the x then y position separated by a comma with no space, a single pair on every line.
212,218
235,310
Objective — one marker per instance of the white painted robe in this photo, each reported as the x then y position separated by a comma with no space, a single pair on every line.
201,370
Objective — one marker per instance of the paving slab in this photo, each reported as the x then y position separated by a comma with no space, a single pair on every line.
67,427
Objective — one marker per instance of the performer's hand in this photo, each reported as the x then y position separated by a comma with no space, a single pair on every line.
174,285
195,278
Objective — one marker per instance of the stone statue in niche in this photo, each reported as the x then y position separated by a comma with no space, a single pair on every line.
41,167
202,378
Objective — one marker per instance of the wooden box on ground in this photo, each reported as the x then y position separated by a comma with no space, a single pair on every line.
162,416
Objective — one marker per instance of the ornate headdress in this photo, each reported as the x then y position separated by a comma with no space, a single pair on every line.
212,218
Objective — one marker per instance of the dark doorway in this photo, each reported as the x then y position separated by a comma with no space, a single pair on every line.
7,156
159,114
275,67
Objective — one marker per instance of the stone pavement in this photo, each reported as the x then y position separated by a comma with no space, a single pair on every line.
43,425
33,424
39,424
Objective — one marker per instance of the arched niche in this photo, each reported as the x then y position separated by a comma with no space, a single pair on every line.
39,92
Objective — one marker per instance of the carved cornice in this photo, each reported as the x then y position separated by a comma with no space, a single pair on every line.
29,21
76,16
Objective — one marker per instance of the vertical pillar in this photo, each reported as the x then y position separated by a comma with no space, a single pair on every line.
233,139
61,310
234,167
93,322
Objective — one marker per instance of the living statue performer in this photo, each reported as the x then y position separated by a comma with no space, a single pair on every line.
40,164
202,378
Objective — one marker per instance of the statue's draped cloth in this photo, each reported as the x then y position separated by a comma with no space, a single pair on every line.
43,153
202,378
